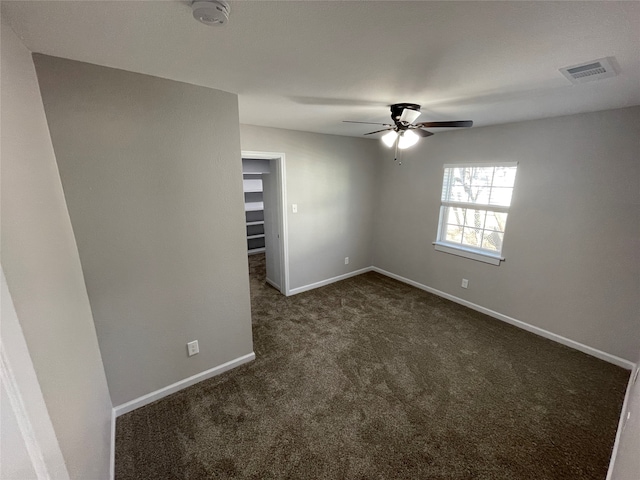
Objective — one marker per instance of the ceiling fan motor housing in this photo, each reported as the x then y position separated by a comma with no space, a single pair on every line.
398,108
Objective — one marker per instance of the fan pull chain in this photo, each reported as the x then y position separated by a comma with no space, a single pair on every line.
396,154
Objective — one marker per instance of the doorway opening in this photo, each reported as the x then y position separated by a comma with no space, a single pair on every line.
264,183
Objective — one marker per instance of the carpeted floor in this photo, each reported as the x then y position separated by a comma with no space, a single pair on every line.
369,378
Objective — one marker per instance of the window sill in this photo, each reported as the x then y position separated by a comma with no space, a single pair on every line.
468,253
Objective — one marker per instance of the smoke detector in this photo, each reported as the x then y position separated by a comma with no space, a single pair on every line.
593,70
211,12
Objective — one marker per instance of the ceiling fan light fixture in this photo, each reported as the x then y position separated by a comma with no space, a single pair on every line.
407,139
409,115
389,138
404,133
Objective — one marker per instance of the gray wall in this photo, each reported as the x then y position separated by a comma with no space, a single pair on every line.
42,267
573,233
332,180
152,177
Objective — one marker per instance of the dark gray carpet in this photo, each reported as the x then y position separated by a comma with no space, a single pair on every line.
373,379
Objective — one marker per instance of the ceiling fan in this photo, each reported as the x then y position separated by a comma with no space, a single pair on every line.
403,133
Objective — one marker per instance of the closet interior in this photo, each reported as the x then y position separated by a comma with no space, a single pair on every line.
253,185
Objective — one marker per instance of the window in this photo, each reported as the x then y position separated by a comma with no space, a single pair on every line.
474,210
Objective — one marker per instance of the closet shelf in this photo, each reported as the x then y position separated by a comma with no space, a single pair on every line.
252,185
261,235
253,206
261,222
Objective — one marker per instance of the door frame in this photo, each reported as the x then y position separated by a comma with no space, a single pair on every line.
283,231
19,379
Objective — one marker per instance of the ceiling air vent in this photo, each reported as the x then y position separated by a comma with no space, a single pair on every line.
587,72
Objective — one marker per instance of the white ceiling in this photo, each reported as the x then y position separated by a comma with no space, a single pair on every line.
308,65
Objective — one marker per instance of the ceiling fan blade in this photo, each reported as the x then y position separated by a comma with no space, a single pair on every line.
369,123
458,123
378,131
422,133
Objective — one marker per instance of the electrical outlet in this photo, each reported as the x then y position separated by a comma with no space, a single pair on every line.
465,283
193,348
346,260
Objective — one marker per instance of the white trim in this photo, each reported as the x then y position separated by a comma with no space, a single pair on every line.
22,419
279,157
487,207
322,283
621,422
112,456
273,284
594,352
20,381
480,164
284,226
187,382
468,253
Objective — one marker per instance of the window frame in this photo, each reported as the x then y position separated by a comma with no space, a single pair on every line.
479,254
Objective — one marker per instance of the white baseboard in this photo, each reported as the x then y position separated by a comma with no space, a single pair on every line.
187,382
623,414
322,283
112,457
594,352
273,284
